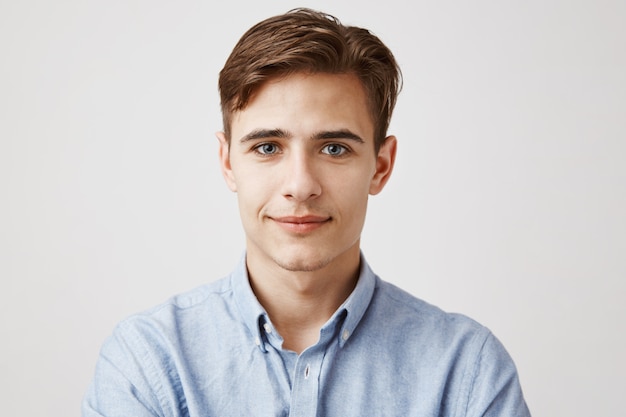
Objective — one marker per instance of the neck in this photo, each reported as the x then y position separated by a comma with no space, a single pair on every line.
299,303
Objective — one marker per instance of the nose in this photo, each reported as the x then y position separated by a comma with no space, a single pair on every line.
301,180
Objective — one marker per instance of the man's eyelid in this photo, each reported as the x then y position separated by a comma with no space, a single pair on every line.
256,147
346,149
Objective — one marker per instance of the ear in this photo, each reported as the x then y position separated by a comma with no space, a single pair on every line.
384,165
224,155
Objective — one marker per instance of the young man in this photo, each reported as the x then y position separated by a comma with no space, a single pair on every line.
303,327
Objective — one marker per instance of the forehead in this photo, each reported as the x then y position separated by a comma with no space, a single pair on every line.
306,102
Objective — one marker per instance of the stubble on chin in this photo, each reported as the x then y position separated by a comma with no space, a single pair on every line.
301,265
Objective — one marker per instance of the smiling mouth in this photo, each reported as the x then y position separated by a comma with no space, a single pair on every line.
301,224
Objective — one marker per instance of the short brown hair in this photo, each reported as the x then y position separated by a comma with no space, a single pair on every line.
305,40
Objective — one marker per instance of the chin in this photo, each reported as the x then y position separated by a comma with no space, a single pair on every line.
302,263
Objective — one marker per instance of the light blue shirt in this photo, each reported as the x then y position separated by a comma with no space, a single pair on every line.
214,352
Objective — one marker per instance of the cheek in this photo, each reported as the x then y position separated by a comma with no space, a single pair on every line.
248,193
243,176
353,191
357,183
253,190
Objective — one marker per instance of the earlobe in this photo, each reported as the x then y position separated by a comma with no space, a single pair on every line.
384,165
224,156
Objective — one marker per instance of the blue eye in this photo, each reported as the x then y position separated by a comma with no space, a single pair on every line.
267,148
334,149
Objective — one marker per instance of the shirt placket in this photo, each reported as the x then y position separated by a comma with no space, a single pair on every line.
305,389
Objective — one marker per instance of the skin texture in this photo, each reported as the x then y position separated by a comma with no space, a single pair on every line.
302,162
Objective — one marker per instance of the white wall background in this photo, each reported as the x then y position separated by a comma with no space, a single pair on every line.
508,202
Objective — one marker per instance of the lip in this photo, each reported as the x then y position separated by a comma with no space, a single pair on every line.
301,224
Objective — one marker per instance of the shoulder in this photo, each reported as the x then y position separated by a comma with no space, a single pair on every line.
398,304
181,315
411,322
203,296
446,345
196,297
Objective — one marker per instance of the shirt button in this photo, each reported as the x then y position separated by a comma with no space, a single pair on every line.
345,335
267,328
307,371
257,341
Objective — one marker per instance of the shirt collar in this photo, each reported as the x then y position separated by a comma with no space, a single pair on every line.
348,315
253,313
356,304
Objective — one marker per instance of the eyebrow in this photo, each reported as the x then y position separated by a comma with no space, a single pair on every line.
279,133
338,134
264,134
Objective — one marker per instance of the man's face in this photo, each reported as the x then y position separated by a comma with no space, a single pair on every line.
302,162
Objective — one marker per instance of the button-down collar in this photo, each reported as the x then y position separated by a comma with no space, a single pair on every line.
348,315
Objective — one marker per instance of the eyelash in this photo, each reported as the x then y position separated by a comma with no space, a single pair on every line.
344,149
257,149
